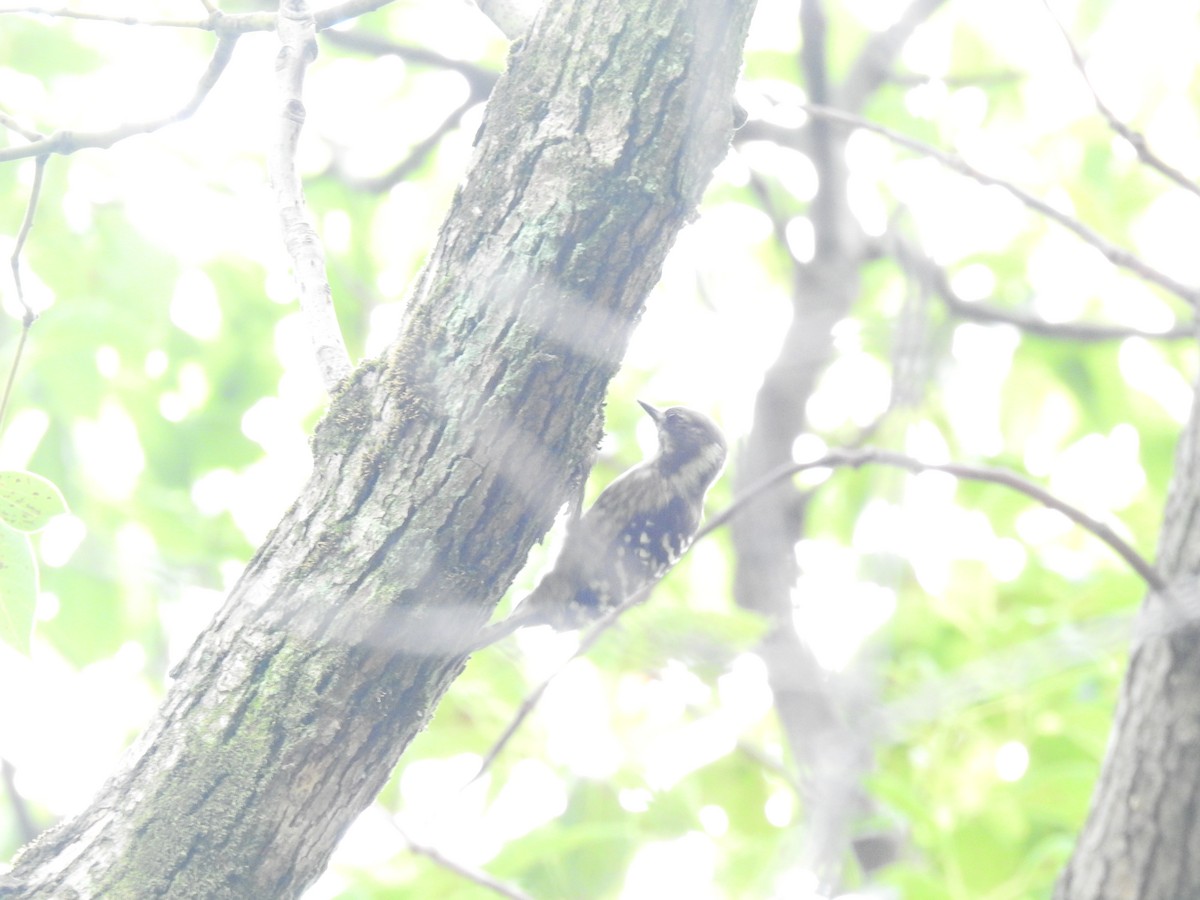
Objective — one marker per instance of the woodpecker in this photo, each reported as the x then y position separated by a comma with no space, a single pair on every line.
634,532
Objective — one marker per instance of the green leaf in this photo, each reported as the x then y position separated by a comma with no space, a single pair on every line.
28,501
18,588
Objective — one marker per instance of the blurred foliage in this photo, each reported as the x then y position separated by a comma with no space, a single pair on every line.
168,392
28,503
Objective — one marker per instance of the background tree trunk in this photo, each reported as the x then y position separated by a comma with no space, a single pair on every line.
436,468
820,715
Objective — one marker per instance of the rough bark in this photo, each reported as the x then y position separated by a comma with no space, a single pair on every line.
435,469
1141,840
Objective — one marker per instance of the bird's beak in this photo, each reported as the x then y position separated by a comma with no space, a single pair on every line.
651,411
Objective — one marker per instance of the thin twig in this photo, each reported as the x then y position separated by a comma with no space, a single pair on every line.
479,80
987,78
1083,332
225,24
29,316
415,157
1117,255
476,876
482,80
61,12
297,37
1135,138
1026,322
589,639
12,372
64,142
17,128
35,193
228,28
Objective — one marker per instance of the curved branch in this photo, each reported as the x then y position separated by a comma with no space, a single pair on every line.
66,142
855,459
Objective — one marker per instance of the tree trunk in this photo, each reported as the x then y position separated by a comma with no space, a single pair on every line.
1141,840
435,469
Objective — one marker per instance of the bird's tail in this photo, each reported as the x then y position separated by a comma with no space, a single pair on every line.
546,604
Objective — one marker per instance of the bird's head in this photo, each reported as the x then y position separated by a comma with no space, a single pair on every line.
688,438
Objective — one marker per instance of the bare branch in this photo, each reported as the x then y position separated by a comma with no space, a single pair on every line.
35,193
417,155
216,21
61,12
65,142
989,313
1117,255
470,873
1135,138
17,128
481,80
965,79
297,35
341,12
1062,331
589,639
873,456
228,28
29,316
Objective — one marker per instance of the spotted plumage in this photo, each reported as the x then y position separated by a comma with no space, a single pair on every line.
637,528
